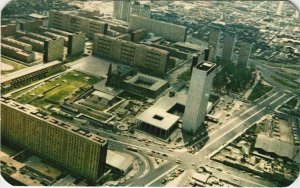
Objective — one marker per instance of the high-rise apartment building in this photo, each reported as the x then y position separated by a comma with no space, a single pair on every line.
245,52
122,9
75,23
168,31
126,8
117,9
213,41
145,11
64,144
229,42
198,95
147,58
136,6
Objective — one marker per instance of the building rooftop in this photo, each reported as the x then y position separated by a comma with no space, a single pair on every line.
280,148
206,66
103,95
189,46
35,112
146,81
158,117
37,16
118,161
29,70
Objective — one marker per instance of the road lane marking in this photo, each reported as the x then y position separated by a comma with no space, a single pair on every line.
234,128
161,176
277,99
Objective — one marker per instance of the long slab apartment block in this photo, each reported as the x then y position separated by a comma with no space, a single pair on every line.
74,23
145,57
17,53
53,48
64,144
169,31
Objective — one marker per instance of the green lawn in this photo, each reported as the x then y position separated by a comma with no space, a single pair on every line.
258,91
17,66
58,89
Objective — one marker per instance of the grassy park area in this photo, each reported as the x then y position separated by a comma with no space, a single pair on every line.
56,89
16,66
258,91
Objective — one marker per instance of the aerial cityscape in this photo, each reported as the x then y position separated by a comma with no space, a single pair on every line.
150,93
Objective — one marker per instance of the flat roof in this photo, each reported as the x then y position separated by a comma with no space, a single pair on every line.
189,45
37,16
157,83
280,148
119,161
103,95
29,70
158,117
206,66
34,112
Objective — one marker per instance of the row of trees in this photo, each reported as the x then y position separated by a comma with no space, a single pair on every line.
233,77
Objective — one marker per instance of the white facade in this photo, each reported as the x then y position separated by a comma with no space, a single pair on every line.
198,95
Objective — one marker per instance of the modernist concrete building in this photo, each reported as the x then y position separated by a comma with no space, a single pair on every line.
229,42
75,42
145,85
117,9
64,144
53,48
136,6
17,44
8,30
145,11
245,52
28,75
198,95
166,30
147,58
75,23
16,53
126,8
213,41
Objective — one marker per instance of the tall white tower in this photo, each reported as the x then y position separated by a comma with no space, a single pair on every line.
198,95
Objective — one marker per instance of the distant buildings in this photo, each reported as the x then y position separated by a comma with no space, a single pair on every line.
147,58
136,6
75,42
145,11
229,42
17,50
25,76
122,9
64,144
245,52
213,42
76,23
198,95
168,31
126,8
